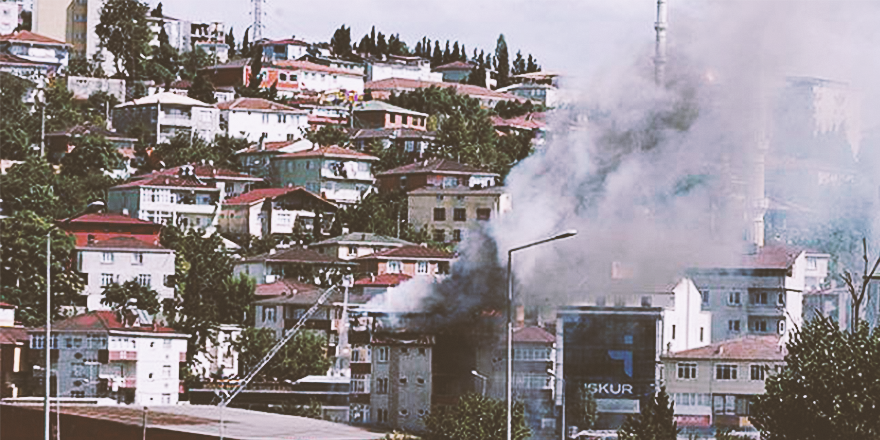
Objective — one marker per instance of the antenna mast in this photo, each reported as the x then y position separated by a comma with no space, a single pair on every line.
258,20
660,45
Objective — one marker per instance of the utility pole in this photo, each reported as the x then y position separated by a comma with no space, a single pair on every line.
258,20
660,44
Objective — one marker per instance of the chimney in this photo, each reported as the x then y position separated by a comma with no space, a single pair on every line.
520,316
125,211
271,251
345,230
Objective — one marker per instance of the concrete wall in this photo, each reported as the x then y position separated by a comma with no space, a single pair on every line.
156,263
158,371
252,124
692,325
421,210
408,371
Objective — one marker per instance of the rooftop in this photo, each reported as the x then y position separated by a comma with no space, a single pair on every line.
297,255
398,133
284,286
410,252
267,193
436,165
331,151
167,98
458,190
104,320
108,217
455,65
13,335
203,171
363,238
392,84
7,58
530,121
278,147
749,347
291,41
313,67
533,334
256,104
123,243
167,181
31,37
381,106
384,280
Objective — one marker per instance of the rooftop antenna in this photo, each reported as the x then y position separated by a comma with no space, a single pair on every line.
660,45
258,20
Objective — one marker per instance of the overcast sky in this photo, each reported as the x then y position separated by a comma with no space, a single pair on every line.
572,36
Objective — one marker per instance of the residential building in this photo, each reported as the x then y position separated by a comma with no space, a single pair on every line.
435,172
833,303
761,295
527,123
255,158
321,114
267,211
84,87
178,31
110,354
22,68
449,214
384,88
13,353
816,270
281,312
74,22
10,16
219,359
338,63
544,94
357,244
217,51
379,114
373,285
542,77
286,49
260,120
338,174
165,115
121,259
91,227
713,386
231,183
60,143
290,78
181,87
409,260
411,143
181,200
456,71
396,66
38,49
297,263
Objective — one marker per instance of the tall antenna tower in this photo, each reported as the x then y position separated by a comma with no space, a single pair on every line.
257,27
660,44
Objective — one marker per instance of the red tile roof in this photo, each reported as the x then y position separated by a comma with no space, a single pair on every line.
331,151
292,41
203,171
386,279
436,165
121,243
773,257
108,217
456,65
6,58
4,305
298,255
30,37
264,193
13,335
284,286
750,347
395,84
312,67
256,104
533,334
103,320
166,181
410,252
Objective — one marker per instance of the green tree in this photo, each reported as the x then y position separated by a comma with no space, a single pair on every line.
340,43
62,112
202,90
30,186
91,154
532,65
383,214
581,409
124,32
98,106
119,296
23,267
829,388
304,355
230,41
191,62
245,45
163,65
182,150
437,56
17,124
656,420
476,417
519,64
329,135
502,62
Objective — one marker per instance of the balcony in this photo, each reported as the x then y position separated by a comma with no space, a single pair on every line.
122,356
177,119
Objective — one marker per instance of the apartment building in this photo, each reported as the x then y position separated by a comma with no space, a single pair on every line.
230,183
405,67
290,78
165,115
267,211
357,244
449,214
303,265
175,200
338,174
118,355
409,260
712,386
256,158
260,120
435,172
37,48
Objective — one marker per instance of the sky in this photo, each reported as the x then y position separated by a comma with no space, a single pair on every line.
575,37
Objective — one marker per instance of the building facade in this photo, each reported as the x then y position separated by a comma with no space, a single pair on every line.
260,120
357,244
435,172
408,260
165,115
449,214
340,175
267,211
181,201
406,67
290,263
290,78
38,49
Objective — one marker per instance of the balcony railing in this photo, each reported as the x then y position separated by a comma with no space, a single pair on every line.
123,356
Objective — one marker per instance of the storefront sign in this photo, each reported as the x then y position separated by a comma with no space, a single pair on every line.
613,389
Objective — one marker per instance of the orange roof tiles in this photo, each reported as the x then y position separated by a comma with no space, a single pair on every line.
411,252
31,37
751,347
331,151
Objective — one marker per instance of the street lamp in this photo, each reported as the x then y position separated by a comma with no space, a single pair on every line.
483,379
41,101
565,234
560,378
47,343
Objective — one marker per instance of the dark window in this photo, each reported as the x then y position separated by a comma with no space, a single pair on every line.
483,213
459,214
440,235
759,298
456,235
673,332
439,214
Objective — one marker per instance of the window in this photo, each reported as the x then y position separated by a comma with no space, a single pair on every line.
77,342
166,371
268,314
725,372
705,297
759,325
107,257
291,137
442,267
673,331
423,267
423,351
759,298
37,341
687,371
265,118
382,416
382,354
456,235
812,263
440,235
439,214
701,334
282,119
282,77
757,372
404,412
166,344
459,214
733,298
483,214
780,299
382,386
107,279
420,380
403,380
352,251
166,399
137,258
144,279
409,146
394,266
733,326
780,327
439,198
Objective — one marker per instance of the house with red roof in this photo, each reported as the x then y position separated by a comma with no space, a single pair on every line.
296,263
713,386
266,211
261,120
412,260
456,71
435,172
99,226
290,77
166,115
338,174
231,183
256,158
384,88
37,48
182,200
22,68
108,354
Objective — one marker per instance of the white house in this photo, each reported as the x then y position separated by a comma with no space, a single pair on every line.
167,114
545,94
37,48
267,211
287,49
219,359
262,120
173,200
405,67
121,259
230,183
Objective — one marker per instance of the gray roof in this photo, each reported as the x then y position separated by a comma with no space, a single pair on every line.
458,190
363,238
397,133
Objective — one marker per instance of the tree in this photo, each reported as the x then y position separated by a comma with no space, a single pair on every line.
245,45
456,53
858,288
23,267
581,409
119,296
230,41
124,32
340,43
17,124
164,64
476,417
383,214
532,65
656,420
191,62
26,21
447,54
381,45
91,154
437,56
61,110
304,355
157,11
329,135
519,64
98,106
829,388
202,90
79,65
30,186
502,62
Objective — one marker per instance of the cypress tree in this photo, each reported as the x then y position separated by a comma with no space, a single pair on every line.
437,57
502,62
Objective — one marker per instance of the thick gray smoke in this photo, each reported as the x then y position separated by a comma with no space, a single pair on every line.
659,179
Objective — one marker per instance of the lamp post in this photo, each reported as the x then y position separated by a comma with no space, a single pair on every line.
566,234
48,370
560,378
483,379
41,101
